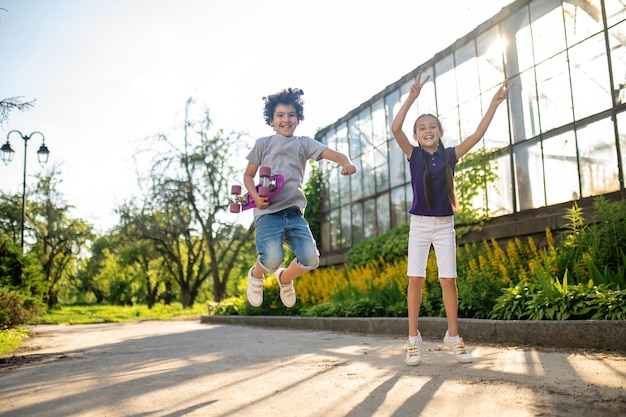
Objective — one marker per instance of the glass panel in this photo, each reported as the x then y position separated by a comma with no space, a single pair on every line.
427,102
407,173
497,135
598,158
470,116
325,232
356,180
446,84
344,187
369,219
333,188
368,173
408,192
519,51
379,125
382,168
500,192
325,195
383,215
343,141
581,22
615,11
357,223
331,139
397,164
561,168
353,131
409,121
529,175
621,126
490,47
547,28
555,100
590,77
365,130
334,229
468,86
345,237
523,107
618,60
398,207
450,124
392,104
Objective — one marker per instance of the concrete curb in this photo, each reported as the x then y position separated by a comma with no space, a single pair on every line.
599,334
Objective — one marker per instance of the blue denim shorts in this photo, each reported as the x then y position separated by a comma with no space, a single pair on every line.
290,227
438,232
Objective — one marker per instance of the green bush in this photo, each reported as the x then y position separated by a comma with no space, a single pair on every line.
389,247
17,309
579,276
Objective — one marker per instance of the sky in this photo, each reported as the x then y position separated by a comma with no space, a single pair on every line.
106,74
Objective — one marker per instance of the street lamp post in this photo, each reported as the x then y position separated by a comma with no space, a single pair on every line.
7,156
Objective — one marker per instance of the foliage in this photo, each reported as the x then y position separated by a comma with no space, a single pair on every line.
7,105
21,286
11,339
546,297
473,174
17,308
95,313
312,191
185,197
389,247
512,280
58,237
600,240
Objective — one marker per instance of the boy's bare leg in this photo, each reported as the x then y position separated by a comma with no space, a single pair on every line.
292,272
258,270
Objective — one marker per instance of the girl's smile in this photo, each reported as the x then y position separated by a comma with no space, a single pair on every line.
427,133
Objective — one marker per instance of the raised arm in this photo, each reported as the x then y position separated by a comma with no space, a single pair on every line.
398,121
469,142
347,167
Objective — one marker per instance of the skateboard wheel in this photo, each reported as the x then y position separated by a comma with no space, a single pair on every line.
264,192
265,172
235,208
235,189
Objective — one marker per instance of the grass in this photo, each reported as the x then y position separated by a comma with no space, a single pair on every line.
12,339
91,313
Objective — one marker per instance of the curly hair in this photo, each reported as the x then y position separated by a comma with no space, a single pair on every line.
286,96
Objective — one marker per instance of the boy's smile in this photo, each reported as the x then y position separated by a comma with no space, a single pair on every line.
285,119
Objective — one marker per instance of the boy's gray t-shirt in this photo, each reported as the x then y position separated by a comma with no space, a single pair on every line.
286,156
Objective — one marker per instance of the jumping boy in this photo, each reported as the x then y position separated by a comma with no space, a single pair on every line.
282,219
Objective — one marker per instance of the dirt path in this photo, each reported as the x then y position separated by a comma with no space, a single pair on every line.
183,368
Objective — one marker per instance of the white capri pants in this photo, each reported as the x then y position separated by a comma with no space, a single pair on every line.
437,231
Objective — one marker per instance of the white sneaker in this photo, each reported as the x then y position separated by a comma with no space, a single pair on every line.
255,290
413,353
287,292
458,348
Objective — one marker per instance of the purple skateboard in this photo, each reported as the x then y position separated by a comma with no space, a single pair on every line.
269,186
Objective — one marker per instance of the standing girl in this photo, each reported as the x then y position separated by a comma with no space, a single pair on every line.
432,213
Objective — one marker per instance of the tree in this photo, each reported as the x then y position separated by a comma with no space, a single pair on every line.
7,105
184,203
58,238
